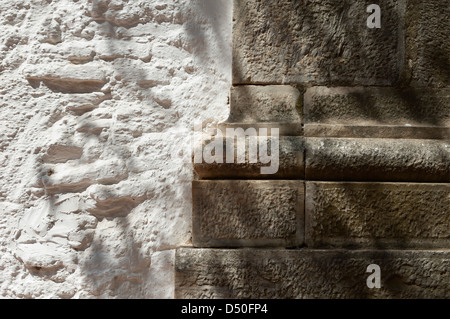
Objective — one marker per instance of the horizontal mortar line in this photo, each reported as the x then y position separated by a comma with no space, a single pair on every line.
308,85
310,249
319,181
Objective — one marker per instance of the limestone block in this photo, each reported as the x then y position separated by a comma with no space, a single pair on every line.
248,213
68,78
271,103
392,215
372,159
284,129
377,106
289,274
427,44
290,161
377,131
281,41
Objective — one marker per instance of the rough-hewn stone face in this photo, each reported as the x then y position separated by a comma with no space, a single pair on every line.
395,215
248,213
427,44
376,131
377,160
321,42
271,103
211,273
364,118
291,164
377,106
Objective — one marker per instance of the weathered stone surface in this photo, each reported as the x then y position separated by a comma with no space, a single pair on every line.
284,129
290,162
277,42
377,106
377,131
271,103
427,44
393,215
287,274
372,159
248,213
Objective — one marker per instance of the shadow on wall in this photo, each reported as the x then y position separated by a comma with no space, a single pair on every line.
275,39
321,43
104,195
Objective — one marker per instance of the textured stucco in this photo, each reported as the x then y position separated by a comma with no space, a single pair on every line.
98,99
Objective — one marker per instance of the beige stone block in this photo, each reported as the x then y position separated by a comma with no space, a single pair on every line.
427,44
269,103
318,42
284,129
290,161
377,106
372,159
248,213
305,273
377,131
379,215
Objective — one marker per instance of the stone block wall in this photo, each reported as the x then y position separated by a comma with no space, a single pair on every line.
364,157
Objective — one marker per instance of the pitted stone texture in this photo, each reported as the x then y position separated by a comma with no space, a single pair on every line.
377,106
327,42
381,215
427,44
377,131
370,159
271,103
284,129
248,213
291,162
290,274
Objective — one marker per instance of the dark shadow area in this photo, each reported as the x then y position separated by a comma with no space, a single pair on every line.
276,35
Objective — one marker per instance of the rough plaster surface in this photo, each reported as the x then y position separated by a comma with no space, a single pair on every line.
97,100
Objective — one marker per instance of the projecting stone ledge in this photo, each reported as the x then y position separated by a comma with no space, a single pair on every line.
248,213
344,159
378,215
289,161
289,274
370,159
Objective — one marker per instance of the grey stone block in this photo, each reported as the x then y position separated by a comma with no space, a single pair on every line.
289,274
427,42
377,131
371,159
377,106
379,215
248,213
290,163
319,42
270,103
285,129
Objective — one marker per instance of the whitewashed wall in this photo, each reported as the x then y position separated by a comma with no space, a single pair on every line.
97,102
